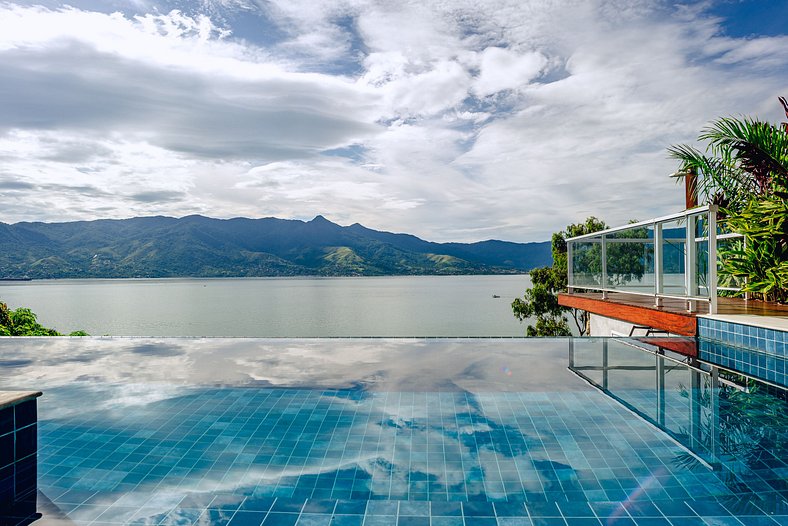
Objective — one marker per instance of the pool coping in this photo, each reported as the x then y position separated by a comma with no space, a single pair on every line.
12,398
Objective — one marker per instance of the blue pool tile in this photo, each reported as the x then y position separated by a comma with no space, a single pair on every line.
382,507
414,508
280,519
256,504
674,508
226,502
413,521
183,516
448,521
548,521
502,521
319,506
247,518
652,521
546,509
725,520
478,509
480,521
446,509
314,519
283,505
642,509
608,510
380,520
757,521
576,509
583,521
350,507
347,520
709,508
510,509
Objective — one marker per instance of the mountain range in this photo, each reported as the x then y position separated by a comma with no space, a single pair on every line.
200,246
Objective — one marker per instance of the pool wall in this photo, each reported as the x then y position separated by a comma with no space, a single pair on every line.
758,351
18,453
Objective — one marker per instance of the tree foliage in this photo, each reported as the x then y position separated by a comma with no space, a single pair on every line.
24,322
761,264
745,170
541,300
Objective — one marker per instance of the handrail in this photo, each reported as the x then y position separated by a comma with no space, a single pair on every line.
663,219
697,254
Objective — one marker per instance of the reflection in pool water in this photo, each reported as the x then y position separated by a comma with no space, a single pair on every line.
178,431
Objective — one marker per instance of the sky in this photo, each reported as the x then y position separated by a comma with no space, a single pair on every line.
454,120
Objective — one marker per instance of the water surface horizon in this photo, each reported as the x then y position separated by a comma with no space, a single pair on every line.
388,306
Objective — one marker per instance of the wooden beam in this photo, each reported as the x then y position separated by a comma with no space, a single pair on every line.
683,324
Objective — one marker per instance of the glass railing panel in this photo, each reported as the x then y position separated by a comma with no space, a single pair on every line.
725,247
586,359
673,250
674,413
630,260
587,263
632,376
701,269
623,259
699,226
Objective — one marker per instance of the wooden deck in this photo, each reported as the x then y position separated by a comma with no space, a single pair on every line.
672,316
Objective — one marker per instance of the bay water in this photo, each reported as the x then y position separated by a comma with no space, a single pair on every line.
397,306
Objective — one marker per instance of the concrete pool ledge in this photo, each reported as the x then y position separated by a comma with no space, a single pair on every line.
12,398
765,322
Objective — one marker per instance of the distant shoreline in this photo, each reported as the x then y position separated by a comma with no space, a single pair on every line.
220,278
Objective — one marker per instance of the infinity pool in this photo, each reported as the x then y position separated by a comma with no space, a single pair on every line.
406,432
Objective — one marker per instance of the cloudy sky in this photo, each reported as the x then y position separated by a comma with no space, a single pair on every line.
455,120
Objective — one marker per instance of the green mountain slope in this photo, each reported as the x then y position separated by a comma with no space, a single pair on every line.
205,247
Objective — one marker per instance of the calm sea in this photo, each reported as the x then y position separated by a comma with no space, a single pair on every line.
276,307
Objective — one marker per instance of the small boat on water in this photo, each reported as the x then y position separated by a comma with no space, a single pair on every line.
21,278
496,296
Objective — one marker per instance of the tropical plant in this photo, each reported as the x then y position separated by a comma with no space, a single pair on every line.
24,322
743,158
761,264
745,171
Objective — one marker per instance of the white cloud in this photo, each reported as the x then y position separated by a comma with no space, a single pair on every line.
503,69
454,120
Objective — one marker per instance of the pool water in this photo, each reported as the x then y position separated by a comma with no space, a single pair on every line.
398,432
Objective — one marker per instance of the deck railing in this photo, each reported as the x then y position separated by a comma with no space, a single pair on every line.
673,256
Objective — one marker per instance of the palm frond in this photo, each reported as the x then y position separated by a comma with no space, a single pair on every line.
759,148
717,181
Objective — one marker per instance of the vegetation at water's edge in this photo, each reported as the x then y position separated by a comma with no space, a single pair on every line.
541,300
24,322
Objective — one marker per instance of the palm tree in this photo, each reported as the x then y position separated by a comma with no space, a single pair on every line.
744,157
744,170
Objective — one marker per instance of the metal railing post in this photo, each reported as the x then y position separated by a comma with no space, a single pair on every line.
712,285
690,263
659,286
660,370
604,267
714,409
